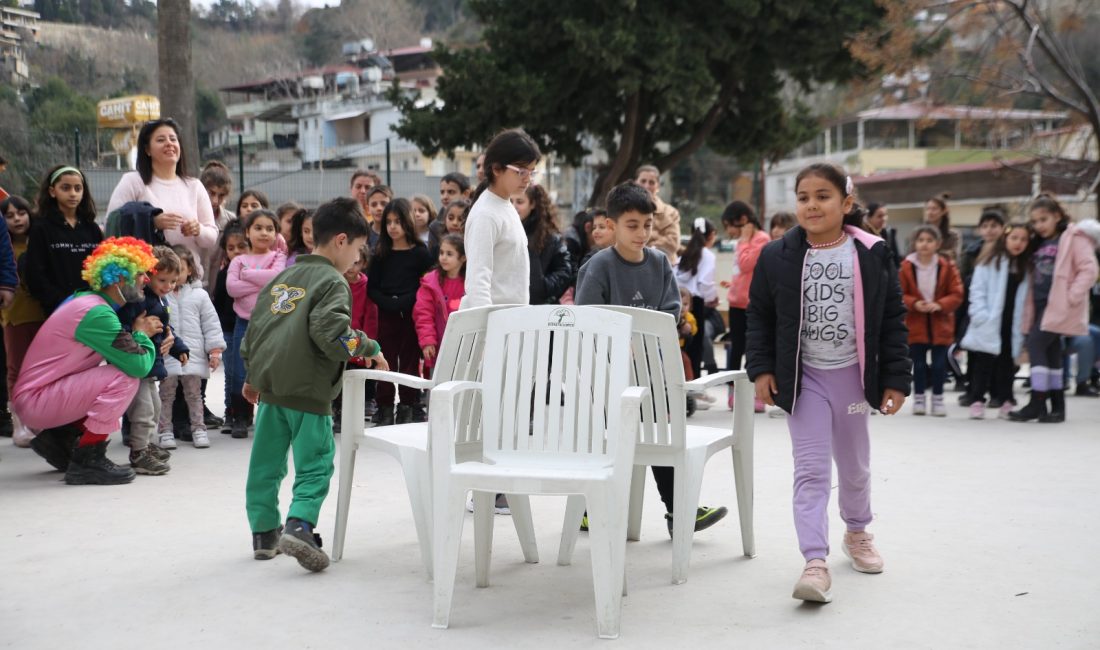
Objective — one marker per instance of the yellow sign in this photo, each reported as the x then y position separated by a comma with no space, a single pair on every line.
125,112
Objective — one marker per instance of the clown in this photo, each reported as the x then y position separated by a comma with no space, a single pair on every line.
63,388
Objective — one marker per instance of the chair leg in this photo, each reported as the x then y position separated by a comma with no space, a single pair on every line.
570,528
449,514
483,535
744,435
520,505
348,448
607,537
637,498
687,485
418,483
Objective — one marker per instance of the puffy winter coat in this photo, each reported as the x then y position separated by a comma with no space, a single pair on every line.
195,321
1075,269
747,255
431,312
988,287
775,317
937,328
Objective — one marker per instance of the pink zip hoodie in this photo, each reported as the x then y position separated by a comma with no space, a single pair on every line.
248,275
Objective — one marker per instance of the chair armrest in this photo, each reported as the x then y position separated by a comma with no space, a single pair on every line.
391,377
629,422
716,379
442,422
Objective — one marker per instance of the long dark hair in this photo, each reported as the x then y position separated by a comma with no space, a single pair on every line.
693,252
510,147
455,240
145,137
297,243
47,205
1050,204
945,221
233,228
402,209
837,177
260,197
737,211
543,220
19,203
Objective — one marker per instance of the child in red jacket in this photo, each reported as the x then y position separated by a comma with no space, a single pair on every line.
364,317
932,290
439,295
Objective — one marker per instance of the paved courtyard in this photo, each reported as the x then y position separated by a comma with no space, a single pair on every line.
989,531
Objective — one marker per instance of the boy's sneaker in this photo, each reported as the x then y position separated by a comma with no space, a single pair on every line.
815,583
939,410
301,543
419,414
705,517
501,505
977,411
919,405
167,440
860,549
1004,410
265,545
239,428
703,401
211,420
584,523
159,453
144,462
404,414
200,439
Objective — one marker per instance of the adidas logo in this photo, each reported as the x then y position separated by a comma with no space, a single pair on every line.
638,295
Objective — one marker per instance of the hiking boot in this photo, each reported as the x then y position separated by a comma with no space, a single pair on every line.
1035,409
1084,389
1057,408
815,583
90,466
144,462
419,414
404,414
200,439
939,409
210,420
977,411
167,440
384,416
239,426
500,507
265,545
301,543
705,517
919,404
861,551
56,446
159,453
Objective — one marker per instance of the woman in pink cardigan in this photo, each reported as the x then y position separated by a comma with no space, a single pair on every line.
741,223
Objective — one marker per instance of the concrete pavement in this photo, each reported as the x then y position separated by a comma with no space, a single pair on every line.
989,532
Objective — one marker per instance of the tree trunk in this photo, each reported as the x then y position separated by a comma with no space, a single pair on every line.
175,78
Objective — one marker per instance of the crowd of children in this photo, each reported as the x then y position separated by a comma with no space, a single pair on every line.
246,304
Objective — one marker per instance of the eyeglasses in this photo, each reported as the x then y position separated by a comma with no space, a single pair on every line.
524,173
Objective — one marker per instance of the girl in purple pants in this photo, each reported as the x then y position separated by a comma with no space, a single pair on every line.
827,343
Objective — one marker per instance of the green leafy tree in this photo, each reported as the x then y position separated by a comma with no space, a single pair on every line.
209,112
645,80
54,107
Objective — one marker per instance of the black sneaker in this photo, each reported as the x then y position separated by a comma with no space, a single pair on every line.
704,518
1084,389
56,445
265,545
419,414
210,420
227,424
995,403
966,399
90,466
385,416
239,427
404,414
301,543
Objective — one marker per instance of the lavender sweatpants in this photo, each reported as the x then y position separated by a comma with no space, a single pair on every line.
829,422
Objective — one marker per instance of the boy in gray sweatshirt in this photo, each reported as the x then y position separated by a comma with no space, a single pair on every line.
631,275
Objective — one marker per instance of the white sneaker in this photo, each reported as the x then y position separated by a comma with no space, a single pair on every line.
167,440
469,502
200,439
703,401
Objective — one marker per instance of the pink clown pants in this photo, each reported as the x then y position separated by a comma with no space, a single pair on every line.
98,395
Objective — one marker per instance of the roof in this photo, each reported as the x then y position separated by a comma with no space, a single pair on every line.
910,174
257,86
928,111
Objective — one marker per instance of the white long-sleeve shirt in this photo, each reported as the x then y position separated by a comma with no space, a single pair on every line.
185,197
498,269
700,283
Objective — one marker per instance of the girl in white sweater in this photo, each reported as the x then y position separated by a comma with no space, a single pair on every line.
497,265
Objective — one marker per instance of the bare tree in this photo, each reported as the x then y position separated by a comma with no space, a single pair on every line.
175,78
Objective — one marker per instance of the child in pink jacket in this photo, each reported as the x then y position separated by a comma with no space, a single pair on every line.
439,295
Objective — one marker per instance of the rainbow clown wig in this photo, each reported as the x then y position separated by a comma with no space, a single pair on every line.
118,259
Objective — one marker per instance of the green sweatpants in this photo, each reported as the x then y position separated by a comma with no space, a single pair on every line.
278,430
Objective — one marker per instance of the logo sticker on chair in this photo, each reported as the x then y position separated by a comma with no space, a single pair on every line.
562,318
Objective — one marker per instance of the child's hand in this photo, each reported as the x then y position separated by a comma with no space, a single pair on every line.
147,325
685,328
168,342
934,307
725,284
183,359
250,394
378,362
892,401
766,388
215,361
429,352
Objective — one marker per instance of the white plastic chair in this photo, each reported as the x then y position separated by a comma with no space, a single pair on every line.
580,444
666,440
459,358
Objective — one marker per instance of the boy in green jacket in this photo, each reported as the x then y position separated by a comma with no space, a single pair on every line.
298,341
